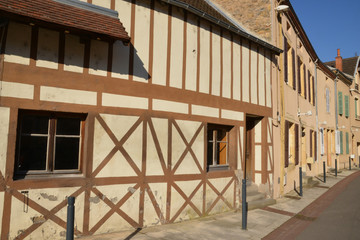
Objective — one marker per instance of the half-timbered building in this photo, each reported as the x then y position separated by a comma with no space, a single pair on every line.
148,112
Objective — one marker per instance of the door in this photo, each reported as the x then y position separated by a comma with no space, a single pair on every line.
251,122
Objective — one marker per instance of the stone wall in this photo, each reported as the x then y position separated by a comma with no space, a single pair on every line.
254,15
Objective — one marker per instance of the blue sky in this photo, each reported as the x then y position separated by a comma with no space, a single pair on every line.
330,24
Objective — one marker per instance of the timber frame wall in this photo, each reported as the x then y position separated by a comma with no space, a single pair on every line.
147,106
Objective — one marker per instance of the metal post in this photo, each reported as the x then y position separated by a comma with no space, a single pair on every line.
324,169
300,180
349,163
335,167
70,219
359,162
244,205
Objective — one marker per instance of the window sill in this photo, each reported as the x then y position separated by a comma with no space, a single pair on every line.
215,168
31,176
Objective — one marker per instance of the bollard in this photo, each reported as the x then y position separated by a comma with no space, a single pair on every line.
324,169
335,167
70,219
300,180
349,163
244,205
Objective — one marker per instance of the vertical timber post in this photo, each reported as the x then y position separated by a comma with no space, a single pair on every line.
300,181
70,219
324,169
244,205
335,167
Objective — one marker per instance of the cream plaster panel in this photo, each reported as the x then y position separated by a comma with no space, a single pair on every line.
141,41
198,148
120,62
118,166
236,70
98,58
124,10
18,43
48,49
232,115
115,100
191,53
102,3
114,193
153,163
240,147
271,179
177,45
119,124
178,147
16,90
261,78
269,157
268,70
254,74
220,183
188,165
258,156
205,111
74,54
176,202
226,84
204,67
258,178
4,134
161,129
47,198
133,145
269,129
63,95
216,55
188,128
170,106
245,71
160,44
219,207
150,216
102,144
258,132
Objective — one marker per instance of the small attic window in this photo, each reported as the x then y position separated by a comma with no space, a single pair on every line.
300,45
287,26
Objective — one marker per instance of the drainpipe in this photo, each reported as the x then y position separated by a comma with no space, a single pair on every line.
336,104
317,113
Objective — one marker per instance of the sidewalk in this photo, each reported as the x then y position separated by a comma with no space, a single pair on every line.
261,222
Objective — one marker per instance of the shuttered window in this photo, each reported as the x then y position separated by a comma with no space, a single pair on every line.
356,107
347,143
309,79
327,100
340,103
286,162
311,143
293,68
346,98
299,74
296,144
315,146
305,81
313,90
285,60
341,143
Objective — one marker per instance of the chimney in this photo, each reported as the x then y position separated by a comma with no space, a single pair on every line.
338,61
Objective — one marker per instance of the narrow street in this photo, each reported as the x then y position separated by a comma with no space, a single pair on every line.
334,215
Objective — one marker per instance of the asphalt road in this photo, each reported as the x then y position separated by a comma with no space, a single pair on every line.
340,220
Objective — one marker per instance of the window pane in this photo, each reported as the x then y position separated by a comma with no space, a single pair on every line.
221,159
68,126
32,155
35,124
210,153
67,153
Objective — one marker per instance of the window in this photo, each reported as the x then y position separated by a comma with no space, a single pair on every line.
301,78
340,103
341,143
289,55
347,142
346,98
48,142
327,100
218,146
291,143
356,108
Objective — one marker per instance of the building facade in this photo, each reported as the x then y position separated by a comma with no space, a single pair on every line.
149,120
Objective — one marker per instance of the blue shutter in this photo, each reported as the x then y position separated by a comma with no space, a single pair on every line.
347,143
346,106
340,103
341,143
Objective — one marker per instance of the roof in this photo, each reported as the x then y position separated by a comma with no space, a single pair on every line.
206,10
70,15
342,76
349,65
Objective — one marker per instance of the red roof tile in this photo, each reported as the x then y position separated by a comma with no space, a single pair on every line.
66,16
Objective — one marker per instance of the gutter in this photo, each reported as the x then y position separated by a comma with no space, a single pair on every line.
222,24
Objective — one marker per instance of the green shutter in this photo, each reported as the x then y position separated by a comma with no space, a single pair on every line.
346,106
347,143
341,143
340,103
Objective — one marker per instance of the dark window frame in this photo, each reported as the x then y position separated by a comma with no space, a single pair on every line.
53,118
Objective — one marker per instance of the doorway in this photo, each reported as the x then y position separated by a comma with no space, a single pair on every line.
251,122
